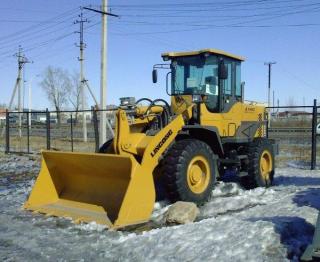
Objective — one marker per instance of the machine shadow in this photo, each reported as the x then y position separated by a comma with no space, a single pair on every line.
296,181
295,233
309,197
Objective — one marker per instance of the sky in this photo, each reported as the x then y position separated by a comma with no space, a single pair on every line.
284,31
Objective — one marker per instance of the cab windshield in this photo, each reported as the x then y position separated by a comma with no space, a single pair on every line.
191,75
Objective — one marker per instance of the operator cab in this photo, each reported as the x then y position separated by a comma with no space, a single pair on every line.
208,75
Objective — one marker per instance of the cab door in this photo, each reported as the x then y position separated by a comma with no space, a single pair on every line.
230,98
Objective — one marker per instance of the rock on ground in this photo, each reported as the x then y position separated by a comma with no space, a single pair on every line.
181,213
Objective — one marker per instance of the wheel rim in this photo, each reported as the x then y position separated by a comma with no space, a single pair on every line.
198,174
266,165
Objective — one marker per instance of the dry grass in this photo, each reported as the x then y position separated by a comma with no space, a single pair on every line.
40,143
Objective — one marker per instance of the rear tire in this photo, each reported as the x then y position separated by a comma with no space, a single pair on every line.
261,164
189,171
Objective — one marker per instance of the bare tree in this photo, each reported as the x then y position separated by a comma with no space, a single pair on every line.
75,94
57,86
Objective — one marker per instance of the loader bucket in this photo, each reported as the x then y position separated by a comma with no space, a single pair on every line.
109,189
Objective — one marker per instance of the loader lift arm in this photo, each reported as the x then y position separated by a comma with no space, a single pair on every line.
148,149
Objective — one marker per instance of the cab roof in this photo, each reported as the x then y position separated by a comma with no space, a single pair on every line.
202,51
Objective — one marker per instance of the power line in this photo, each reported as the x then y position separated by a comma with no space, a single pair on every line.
168,14
299,79
37,29
266,16
204,25
67,47
224,17
154,40
49,43
216,3
202,7
212,27
281,15
23,21
189,24
42,43
32,37
54,51
24,10
29,29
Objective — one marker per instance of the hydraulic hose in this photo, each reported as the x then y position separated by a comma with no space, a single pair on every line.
144,99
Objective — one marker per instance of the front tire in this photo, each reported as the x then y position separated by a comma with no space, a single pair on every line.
261,164
189,171
107,147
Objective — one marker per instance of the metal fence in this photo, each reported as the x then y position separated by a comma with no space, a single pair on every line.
293,127
296,130
30,132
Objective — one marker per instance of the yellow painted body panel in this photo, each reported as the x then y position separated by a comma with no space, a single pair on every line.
112,190
209,50
228,123
180,103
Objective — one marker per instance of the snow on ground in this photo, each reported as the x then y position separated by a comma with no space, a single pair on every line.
274,224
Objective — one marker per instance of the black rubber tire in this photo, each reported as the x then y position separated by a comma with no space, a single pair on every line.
107,147
159,183
255,178
175,166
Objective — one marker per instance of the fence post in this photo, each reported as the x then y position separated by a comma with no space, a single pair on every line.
71,127
7,132
314,136
267,124
48,128
96,130
28,133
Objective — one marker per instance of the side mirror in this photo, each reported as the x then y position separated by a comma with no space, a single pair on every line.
223,70
154,76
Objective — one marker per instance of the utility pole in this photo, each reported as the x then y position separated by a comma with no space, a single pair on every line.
30,102
18,87
103,83
82,45
273,101
269,64
30,98
22,60
20,66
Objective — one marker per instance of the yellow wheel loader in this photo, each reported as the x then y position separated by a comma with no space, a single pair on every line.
176,150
